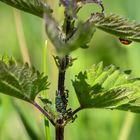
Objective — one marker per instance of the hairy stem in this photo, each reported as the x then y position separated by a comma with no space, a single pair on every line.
63,62
44,112
61,81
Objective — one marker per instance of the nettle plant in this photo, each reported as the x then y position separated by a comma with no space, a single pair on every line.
97,87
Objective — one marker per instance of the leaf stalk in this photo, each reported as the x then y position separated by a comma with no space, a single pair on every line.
43,112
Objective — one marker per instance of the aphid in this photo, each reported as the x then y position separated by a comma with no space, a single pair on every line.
60,107
125,41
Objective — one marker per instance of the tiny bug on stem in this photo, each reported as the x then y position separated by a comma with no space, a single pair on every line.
125,41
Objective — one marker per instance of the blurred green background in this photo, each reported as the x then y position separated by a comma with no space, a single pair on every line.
19,30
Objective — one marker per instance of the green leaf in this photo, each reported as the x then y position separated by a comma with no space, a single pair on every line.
107,87
35,7
22,82
54,31
118,26
80,38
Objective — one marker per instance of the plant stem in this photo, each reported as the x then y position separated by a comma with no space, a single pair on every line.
77,110
63,62
61,81
43,112
46,122
21,37
59,132
127,126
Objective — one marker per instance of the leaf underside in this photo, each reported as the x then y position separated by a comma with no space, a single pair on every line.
35,7
110,23
117,25
22,82
108,88
82,33
113,24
